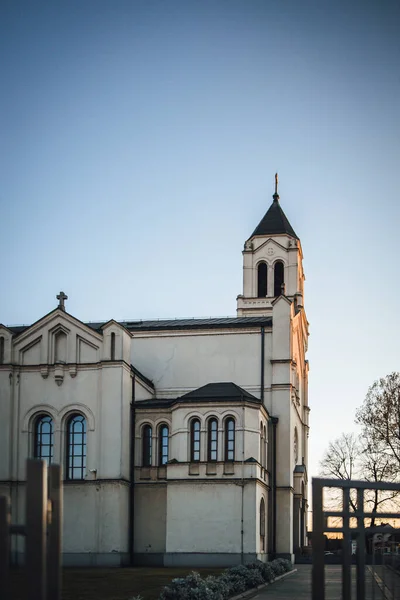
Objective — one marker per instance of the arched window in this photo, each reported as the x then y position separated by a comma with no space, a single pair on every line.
195,440
265,447
1,350
163,445
147,440
262,525
212,453
43,438
262,280
112,346
76,447
229,439
278,278
261,445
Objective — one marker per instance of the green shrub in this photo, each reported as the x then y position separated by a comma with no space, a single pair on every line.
287,565
264,568
277,568
250,577
193,587
233,581
281,566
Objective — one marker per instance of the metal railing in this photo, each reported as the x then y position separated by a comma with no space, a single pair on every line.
42,532
352,518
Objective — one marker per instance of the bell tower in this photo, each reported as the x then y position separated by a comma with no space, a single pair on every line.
272,263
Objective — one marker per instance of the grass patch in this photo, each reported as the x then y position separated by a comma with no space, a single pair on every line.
113,584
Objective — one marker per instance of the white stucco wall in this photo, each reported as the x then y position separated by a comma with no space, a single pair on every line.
95,518
84,381
6,419
203,517
100,391
178,363
150,518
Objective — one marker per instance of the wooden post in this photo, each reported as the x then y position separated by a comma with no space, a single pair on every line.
36,520
55,534
318,542
360,546
346,551
4,548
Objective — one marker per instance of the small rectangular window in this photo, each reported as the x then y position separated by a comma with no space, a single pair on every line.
195,441
212,440
230,440
147,446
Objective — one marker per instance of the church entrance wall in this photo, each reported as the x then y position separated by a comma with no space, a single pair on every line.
95,529
150,517
204,523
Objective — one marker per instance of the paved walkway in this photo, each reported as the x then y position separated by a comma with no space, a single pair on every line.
293,586
298,585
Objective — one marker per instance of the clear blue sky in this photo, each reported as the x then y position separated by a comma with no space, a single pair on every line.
138,146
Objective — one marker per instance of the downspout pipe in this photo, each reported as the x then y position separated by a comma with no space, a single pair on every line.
275,421
132,475
262,363
242,491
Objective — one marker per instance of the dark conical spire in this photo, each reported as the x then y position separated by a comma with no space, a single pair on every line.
274,221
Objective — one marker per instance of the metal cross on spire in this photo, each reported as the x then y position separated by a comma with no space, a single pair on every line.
61,298
276,195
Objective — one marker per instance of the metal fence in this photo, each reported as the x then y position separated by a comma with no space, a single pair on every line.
42,532
384,569
377,564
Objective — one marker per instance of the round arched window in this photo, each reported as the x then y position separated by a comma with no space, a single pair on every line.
43,442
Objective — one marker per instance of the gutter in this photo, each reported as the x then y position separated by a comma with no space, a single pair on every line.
262,362
131,508
242,486
15,489
275,421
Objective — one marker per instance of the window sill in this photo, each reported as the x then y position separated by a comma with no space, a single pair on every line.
145,473
229,468
211,468
194,468
162,472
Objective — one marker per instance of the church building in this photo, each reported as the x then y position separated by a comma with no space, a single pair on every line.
183,442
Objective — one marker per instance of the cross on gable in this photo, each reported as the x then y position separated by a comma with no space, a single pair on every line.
61,298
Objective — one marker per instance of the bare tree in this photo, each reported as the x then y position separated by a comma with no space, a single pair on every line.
341,461
351,457
379,417
376,466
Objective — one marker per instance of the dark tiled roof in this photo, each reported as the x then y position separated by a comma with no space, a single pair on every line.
300,469
212,392
211,323
156,403
18,329
176,324
96,326
274,221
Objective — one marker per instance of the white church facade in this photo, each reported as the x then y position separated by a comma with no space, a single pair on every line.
183,442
